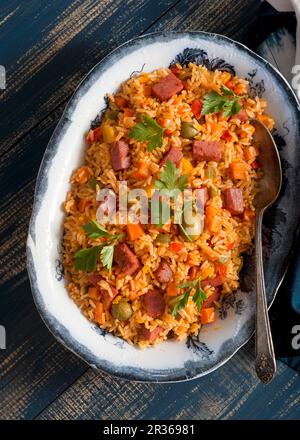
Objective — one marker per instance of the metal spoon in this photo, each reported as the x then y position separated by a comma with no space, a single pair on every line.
269,188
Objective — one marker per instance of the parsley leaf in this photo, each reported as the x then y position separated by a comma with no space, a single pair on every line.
180,302
228,102
199,296
107,255
171,179
148,130
86,259
94,230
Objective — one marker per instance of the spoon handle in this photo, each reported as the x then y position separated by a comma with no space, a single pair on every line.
265,363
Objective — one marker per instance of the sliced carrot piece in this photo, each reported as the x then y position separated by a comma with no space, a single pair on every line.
207,315
135,231
146,90
82,175
250,153
94,293
142,171
212,219
238,170
99,313
172,289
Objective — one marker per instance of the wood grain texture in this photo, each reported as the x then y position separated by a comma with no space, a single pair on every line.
54,48
231,392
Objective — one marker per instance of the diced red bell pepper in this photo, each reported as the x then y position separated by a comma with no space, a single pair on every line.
196,108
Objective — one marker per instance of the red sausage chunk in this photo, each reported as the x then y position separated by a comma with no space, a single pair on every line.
125,259
154,303
213,282
174,155
120,156
207,150
209,302
148,335
242,115
167,87
234,200
164,273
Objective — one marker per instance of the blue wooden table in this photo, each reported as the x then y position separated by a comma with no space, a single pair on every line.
47,48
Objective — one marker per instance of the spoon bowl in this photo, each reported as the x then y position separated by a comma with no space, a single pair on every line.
268,191
269,160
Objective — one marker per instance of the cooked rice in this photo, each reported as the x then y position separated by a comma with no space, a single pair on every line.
235,229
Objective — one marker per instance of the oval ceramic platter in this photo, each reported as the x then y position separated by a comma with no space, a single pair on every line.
216,343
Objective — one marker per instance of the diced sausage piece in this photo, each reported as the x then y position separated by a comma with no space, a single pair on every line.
202,197
125,259
209,302
94,279
174,155
154,303
242,116
213,282
164,273
207,150
107,298
167,87
234,200
120,156
147,335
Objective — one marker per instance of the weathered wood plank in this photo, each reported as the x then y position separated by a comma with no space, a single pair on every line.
31,348
47,87
222,394
49,55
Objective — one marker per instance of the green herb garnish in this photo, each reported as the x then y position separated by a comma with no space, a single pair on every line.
180,302
171,179
148,130
94,230
227,102
107,255
86,259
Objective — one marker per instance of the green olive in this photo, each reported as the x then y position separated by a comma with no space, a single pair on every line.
188,130
122,310
112,114
192,231
163,238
